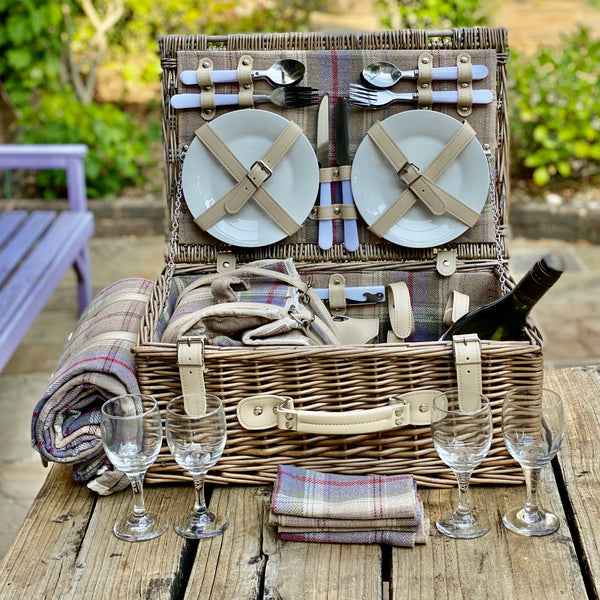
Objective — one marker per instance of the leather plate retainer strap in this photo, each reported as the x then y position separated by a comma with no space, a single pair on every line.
267,411
249,181
421,184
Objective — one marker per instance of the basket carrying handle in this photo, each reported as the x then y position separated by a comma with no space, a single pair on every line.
267,411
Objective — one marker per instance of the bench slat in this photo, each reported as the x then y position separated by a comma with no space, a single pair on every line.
10,221
26,293
23,241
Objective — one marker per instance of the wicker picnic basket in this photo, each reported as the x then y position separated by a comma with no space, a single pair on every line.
340,378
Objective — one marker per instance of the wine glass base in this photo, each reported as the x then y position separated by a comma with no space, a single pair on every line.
198,527
466,526
537,523
139,529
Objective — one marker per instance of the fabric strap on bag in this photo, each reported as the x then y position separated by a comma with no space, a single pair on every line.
249,181
421,184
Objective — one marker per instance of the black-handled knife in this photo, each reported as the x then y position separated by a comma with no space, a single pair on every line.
342,151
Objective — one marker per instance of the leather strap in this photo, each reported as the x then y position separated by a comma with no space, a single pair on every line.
337,294
445,262
244,77
190,359
207,97
456,307
467,356
424,79
249,181
335,174
333,211
120,336
421,184
400,312
464,84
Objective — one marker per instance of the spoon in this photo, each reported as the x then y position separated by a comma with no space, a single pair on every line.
283,72
385,74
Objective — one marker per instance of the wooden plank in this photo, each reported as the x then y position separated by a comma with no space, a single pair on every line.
578,460
303,571
44,555
230,566
111,568
23,240
499,565
10,221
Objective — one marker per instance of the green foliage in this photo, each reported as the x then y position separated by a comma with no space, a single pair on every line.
31,44
554,112
434,14
119,150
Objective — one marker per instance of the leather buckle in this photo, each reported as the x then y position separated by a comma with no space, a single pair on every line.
409,168
266,171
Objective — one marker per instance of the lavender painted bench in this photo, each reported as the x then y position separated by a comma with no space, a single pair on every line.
37,248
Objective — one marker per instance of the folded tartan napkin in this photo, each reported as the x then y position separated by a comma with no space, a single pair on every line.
96,364
310,506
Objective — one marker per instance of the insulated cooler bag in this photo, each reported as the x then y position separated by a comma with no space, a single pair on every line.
360,402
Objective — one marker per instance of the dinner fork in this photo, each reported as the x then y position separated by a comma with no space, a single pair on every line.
286,97
369,98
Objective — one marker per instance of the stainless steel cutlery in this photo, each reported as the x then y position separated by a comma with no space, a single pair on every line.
286,97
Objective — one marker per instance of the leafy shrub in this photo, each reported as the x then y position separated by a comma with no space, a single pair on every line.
554,112
428,14
119,149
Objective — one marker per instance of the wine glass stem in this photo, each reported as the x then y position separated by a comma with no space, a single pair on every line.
464,504
200,505
532,476
137,485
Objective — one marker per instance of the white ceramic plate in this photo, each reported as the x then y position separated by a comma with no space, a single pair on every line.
248,134
421,135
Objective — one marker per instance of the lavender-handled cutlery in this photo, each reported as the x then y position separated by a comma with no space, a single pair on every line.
286,97
384,74
369,98
283,72
325,225
342,152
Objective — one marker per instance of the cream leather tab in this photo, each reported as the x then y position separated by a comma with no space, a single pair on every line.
337,294
226,262
352,331
464,84
333,211
259,412
445,263
419,403
467,357
203,75
190,359
456,307
424,88
400,311
244,77
121,336
335,174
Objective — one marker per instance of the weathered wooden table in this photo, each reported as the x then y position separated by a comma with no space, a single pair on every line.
65,548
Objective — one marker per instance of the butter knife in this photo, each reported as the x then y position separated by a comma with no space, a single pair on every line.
342,151
326,225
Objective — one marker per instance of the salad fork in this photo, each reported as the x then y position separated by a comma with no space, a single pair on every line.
286,97
362,96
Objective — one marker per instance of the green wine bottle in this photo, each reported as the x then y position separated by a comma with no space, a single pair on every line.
504,319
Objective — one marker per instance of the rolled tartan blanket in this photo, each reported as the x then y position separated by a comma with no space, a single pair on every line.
96,364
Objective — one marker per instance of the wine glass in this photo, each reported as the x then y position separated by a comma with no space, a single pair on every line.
533,427
461,428
132,435
197,442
